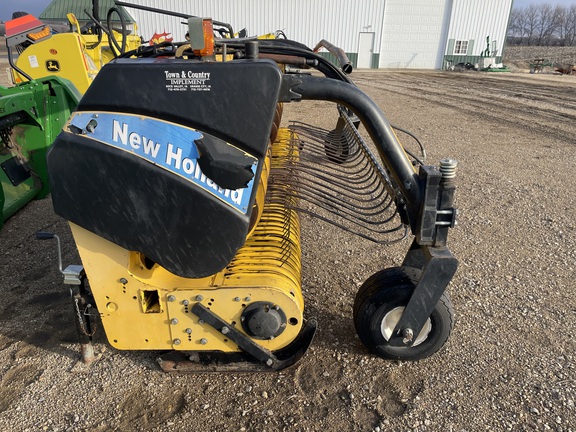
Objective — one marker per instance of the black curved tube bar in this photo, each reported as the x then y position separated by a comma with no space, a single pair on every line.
16,68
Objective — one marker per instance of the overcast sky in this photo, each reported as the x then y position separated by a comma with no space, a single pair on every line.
524,3
35,7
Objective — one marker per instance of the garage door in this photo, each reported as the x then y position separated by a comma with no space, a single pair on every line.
414,33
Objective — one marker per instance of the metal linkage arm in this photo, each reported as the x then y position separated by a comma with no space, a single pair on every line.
438,267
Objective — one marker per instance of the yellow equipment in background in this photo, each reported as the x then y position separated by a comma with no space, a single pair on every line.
74,56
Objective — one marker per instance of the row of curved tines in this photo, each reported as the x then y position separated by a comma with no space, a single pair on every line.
332,175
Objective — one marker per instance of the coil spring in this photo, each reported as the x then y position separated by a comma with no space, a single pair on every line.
448,168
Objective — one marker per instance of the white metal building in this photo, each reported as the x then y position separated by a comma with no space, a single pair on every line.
428,34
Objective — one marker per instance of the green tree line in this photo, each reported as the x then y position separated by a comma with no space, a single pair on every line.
543,24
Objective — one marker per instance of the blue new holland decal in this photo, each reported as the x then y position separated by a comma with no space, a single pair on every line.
167,145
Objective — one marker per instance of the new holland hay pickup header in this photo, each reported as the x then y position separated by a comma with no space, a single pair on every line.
183,199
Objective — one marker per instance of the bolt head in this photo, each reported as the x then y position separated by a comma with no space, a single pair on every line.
185,302
237,299
408,334
176,341
171,298
225,330
174,321
248,299
199,297
203,341
188,330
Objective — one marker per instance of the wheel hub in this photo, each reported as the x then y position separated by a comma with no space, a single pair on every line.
393,317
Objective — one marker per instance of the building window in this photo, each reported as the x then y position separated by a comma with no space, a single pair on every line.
461,47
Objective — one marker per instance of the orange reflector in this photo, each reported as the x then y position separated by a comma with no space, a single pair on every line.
208,30
39,35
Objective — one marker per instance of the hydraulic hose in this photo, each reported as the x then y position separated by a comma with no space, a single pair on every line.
96,9
123,30
291,48
95,17
378,127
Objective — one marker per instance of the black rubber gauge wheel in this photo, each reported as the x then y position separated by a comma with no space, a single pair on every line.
378,307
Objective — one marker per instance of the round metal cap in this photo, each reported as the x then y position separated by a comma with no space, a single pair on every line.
263,320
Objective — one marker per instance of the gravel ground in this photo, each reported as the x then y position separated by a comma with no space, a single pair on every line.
509,365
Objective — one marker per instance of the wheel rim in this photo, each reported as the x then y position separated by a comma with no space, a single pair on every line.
391,319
